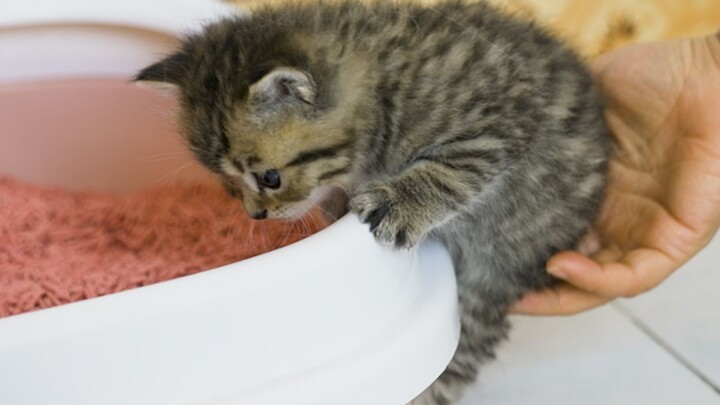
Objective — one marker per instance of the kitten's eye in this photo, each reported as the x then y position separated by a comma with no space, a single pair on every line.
270,179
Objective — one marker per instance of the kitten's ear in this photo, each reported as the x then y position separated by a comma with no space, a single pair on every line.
284,84
165,74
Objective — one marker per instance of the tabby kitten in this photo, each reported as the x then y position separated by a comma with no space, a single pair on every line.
452,122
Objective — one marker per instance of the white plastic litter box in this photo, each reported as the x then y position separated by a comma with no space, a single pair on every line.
333,319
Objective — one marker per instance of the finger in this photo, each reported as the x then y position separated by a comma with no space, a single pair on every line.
562,299
599,64
590,243
608,254
629,275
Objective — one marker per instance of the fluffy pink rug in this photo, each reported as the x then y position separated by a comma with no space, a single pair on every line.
58,246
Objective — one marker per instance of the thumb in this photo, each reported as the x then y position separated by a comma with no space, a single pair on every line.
635,272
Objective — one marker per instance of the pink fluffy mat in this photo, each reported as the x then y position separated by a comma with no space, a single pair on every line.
58,246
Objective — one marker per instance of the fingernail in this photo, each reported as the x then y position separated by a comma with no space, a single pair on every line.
558,272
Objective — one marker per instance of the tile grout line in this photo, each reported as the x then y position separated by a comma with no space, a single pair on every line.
647,330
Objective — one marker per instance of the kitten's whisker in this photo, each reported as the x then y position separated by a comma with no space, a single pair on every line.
163,157
196,184
311,224
306,228
249,240
237,233
343,188
288,232
231,237
315,220
266,240
170,176
331,216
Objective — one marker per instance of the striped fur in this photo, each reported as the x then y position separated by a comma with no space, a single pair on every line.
452,122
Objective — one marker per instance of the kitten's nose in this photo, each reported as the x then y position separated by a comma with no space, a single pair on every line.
260,214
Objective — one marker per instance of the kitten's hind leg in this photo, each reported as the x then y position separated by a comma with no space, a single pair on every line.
484,325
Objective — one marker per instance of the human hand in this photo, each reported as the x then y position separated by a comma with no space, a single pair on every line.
663,198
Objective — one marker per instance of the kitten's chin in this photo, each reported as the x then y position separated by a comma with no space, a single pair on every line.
335,204
332,202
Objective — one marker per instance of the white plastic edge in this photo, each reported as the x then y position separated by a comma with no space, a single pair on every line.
380,335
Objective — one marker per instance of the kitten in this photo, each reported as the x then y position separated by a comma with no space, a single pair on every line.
452,122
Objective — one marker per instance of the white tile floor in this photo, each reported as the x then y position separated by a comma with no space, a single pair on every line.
660,348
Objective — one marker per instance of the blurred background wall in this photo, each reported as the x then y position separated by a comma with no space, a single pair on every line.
596,26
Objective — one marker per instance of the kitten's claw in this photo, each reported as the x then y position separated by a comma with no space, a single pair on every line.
376,216
390,222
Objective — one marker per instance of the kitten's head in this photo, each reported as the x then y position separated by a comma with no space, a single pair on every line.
254,112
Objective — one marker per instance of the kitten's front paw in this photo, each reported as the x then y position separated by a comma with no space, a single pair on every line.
390,220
